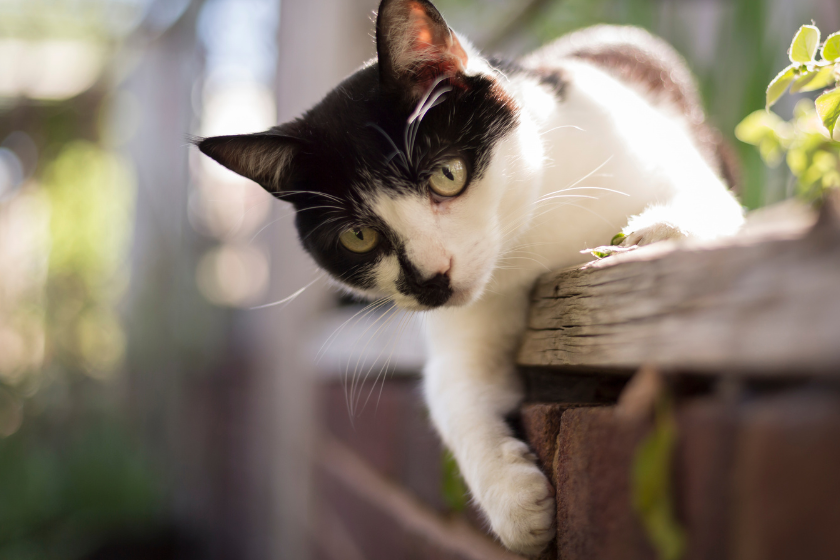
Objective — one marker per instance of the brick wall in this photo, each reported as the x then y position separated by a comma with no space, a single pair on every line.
755,477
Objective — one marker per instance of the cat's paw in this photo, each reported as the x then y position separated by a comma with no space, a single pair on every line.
622,243
660,231
520,501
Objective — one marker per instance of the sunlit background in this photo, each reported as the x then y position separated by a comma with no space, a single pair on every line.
148,404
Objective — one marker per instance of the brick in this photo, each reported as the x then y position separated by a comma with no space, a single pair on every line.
786,479
703,473
593,454
541,424
594,513
541,427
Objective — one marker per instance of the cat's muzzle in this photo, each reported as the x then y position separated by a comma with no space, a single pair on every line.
433,292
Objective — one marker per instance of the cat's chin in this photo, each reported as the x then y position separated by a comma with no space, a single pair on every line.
462,297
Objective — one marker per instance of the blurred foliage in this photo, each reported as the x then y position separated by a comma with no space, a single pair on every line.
61,19
91,198
805,142
813,157
651,484
72,472
72,475
90,191
65,488
453,488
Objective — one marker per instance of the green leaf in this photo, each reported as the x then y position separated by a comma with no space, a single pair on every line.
797,160
813,80
757,126
651,485
831,48
771,151
780,84
452,485
828,108
617,238
804,46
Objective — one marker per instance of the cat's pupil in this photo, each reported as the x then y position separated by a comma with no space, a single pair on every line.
358,233
448,173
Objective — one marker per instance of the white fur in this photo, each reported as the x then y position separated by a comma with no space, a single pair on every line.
620,158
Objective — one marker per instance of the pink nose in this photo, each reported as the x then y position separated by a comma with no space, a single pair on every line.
442,267
442,272
445,269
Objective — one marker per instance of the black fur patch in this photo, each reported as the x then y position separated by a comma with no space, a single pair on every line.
554,78
352,147
431,292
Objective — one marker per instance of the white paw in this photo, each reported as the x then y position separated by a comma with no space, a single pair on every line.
651,234
519,501
622,243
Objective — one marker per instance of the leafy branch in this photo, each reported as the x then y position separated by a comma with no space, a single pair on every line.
812,153
806,73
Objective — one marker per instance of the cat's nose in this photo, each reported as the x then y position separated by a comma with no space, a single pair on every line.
431,291
431,288
439,267
434,291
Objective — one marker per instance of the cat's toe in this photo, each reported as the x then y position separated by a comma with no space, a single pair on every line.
651,234
521,504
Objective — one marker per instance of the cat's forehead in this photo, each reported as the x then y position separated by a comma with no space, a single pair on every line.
360,140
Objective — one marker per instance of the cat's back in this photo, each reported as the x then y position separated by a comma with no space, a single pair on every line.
631,54
650,66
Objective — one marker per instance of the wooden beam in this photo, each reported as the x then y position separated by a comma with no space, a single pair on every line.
755,306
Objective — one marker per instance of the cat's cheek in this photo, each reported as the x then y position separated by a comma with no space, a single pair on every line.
408,303
464,297
468,291
385,276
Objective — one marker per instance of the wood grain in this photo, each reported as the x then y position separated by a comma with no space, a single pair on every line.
760,305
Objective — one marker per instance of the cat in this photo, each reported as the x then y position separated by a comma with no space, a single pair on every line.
448,182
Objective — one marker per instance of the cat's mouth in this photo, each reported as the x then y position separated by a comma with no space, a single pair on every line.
455,297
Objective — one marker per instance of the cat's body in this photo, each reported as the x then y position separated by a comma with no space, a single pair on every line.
441,182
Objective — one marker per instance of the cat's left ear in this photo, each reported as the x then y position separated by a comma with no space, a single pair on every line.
415,47
265,158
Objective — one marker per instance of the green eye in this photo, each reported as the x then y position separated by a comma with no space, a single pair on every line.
360,240
450,178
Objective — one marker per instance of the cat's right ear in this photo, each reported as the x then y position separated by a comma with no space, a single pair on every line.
415,47
265,158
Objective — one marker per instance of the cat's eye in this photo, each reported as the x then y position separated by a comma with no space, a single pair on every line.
450,178
360,240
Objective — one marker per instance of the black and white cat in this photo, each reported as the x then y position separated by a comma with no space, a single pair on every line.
447,182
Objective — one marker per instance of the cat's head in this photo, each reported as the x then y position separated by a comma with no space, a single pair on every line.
392,174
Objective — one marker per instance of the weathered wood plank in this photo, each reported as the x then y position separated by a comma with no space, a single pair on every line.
756,306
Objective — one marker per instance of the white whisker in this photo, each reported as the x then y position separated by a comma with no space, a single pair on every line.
288,299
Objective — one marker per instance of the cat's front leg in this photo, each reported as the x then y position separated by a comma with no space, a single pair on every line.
711,217
470,386
706,211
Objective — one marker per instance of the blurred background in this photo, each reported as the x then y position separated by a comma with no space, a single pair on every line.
150,406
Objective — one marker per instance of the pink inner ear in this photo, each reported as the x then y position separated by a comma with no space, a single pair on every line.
434,47
421,25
